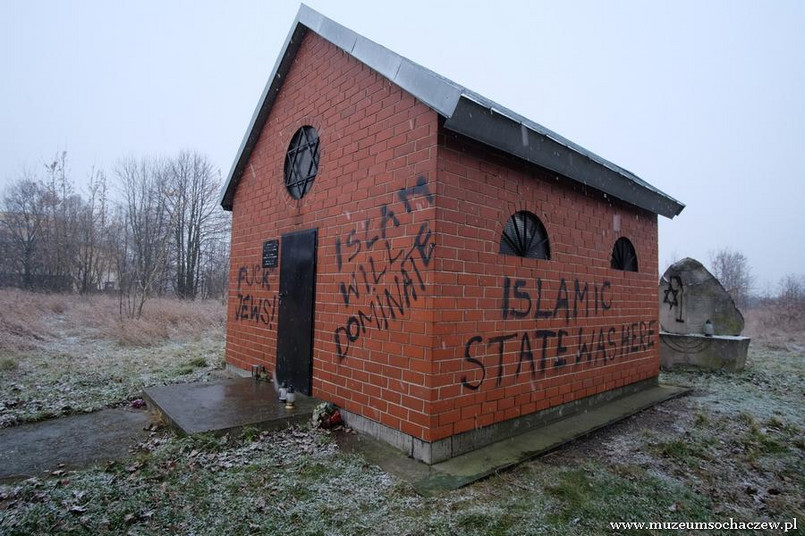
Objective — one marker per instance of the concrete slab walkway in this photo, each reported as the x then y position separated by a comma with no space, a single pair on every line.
77,441
472,466
225,406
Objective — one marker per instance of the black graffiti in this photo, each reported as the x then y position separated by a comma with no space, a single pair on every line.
468,357
674,295
357,242
388,299
593,347
420,189
254,275
257,309
377,228
382,287
520,301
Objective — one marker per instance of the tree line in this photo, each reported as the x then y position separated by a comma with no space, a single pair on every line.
732,269
154,229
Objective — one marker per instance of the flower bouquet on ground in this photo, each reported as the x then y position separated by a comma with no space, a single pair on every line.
326,416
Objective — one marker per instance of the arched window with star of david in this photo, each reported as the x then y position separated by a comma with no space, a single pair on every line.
302,161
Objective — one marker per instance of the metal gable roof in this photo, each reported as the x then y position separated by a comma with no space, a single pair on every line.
465,112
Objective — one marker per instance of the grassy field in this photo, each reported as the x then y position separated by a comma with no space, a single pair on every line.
68,354
733,448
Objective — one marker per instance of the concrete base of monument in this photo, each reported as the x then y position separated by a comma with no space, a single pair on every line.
477,454
719,352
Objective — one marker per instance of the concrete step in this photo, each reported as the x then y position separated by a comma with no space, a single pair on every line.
226,406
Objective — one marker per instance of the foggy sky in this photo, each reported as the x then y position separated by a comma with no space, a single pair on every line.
704,100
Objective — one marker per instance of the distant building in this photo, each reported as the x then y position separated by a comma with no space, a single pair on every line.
435,264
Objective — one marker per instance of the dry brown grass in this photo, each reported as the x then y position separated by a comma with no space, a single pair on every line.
30,320
62,354
166,319
22,319
775,327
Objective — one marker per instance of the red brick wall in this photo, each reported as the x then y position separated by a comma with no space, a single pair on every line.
371,206
486,320
409,325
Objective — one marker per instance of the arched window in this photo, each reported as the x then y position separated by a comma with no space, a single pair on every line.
302,162
624,256
525,236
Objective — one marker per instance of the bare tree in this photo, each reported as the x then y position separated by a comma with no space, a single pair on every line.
92,222
63,208
7,266
165,232
23,221
214,280
191,192
791,299
142,249
732,269
50,230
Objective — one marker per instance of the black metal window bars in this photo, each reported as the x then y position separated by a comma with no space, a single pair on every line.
302,162
525,236
624,256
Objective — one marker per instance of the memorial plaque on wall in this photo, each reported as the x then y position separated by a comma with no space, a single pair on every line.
270,252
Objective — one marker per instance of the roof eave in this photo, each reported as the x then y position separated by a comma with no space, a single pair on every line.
499,130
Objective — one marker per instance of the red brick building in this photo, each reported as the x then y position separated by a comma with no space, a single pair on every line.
445,270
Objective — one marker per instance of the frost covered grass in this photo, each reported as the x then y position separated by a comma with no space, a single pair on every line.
739,438
66,354
733,448
296,481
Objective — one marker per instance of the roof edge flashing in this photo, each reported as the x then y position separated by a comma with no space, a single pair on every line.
430,88
338,35
498,129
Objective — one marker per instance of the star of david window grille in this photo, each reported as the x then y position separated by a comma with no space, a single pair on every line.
525,236
624,256
302,162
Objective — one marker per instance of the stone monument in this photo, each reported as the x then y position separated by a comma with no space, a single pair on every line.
700,325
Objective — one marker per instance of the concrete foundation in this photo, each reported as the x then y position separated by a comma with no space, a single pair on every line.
445,449
711,353
466,468
239,372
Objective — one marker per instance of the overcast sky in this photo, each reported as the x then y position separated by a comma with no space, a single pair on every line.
704,100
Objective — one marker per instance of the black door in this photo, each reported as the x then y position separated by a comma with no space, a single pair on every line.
297,291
